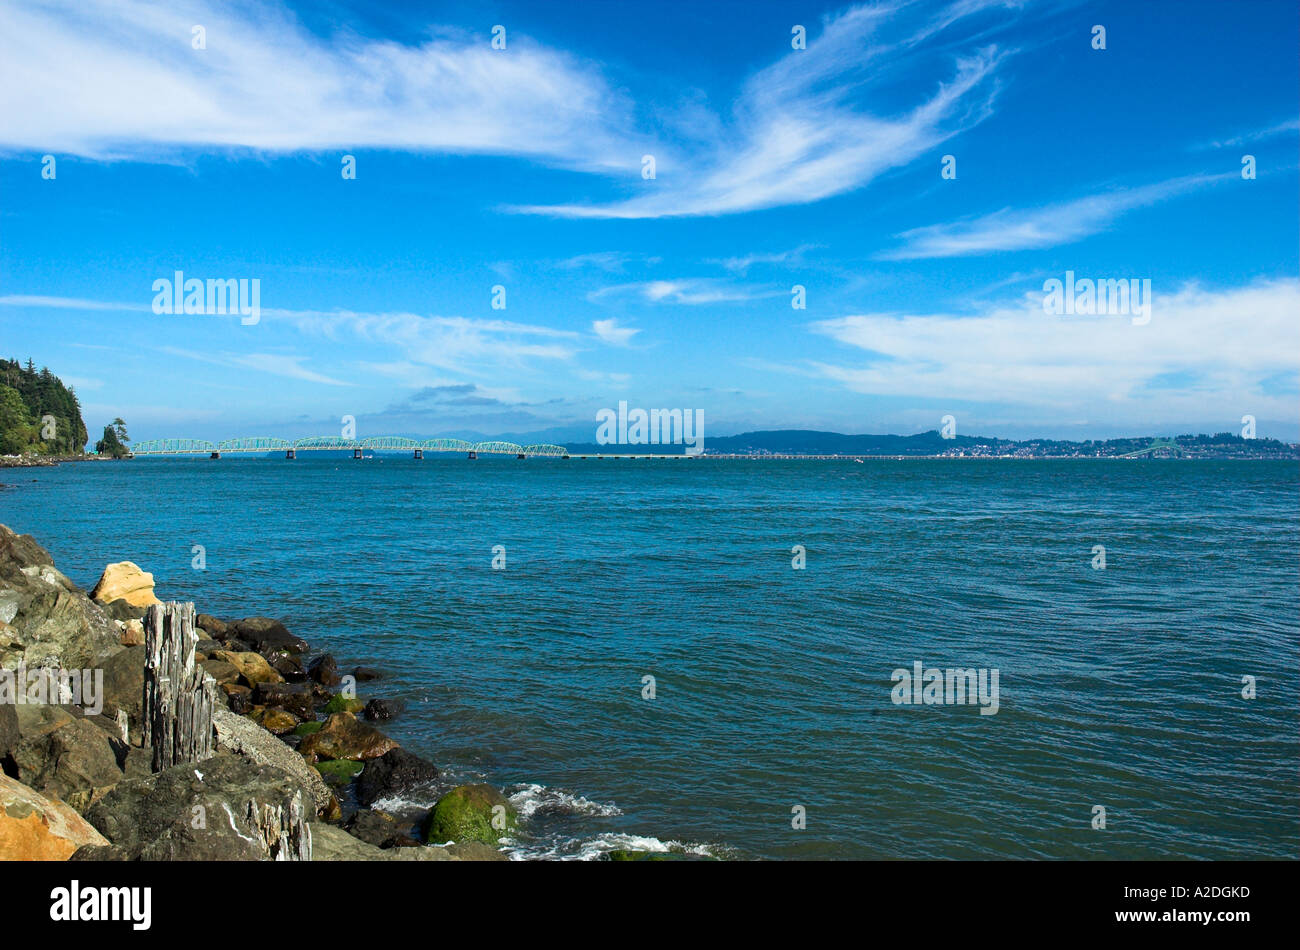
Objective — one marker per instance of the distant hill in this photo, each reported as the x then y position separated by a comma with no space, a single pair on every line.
810,442
28,397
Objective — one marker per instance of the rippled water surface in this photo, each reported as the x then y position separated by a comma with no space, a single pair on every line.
1118,687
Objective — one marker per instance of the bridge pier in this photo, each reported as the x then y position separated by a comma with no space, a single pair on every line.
520,455
356,453
291,454
419,454
215,455
473,454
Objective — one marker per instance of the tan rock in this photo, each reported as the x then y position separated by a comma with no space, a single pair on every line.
133,634
253,668
342,737
34,828
278,721
125,581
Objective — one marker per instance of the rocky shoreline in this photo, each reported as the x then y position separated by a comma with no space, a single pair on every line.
299,762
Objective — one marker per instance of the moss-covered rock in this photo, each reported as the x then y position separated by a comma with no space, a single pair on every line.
339,703
471,813
307,728
338,772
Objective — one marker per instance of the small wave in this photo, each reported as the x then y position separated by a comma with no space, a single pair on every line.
534,799
590,849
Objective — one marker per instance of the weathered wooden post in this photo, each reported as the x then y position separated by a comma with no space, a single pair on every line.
178,695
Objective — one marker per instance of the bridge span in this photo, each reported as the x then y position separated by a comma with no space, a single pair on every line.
261,445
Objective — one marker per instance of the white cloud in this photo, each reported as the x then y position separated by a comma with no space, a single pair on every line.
612,333
1285,127
275,364
1048,226
816,124
118,78
1204,354
454,343
742,264
690,291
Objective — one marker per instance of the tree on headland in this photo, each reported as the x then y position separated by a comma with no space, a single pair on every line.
119,429
111,445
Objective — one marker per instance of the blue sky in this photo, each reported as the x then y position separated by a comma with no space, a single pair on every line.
774,167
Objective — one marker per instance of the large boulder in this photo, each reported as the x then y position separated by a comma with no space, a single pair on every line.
125,581
124,686
45,619
265,634
221,809
394,772
249,740
66,758
344,737
34,828
471,813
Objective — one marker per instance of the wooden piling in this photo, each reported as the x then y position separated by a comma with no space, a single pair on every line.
179,696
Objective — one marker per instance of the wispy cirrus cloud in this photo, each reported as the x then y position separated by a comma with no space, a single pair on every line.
691,291
1204,354
612,262
817,122
120,79
276,364
1046,226
742,264
455,343
1276,130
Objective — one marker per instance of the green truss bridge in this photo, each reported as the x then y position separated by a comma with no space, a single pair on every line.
329,443
1157,447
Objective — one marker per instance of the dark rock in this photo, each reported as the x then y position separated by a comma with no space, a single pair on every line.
21,550
380,829
239,698
363,674
121,610
221,809
394,772
287,665
75,761
267,634
124,686
8,736
325,670
297,698
206,647
377,710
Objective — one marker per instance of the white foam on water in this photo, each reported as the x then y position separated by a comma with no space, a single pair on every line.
532,798
590,849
